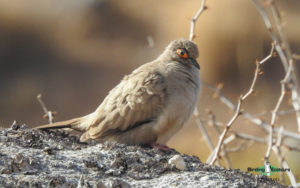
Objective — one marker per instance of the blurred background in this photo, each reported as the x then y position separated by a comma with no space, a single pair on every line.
74,52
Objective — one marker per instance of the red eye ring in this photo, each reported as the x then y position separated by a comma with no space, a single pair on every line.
182,53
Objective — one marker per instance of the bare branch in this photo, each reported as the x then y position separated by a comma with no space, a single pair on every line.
238,108
225,156
274,112
253,119
195,18
214,123
221,95
229,139
271,54
249,137
278,24
48,114
232,120
238,148
279,153
222,136
296,105
283,163
285,53
268,24
279,113
250,91
223,152
203,130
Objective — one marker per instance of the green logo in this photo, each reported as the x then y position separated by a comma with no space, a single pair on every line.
273,169
267,170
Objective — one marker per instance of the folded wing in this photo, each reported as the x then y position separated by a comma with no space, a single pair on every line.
138,99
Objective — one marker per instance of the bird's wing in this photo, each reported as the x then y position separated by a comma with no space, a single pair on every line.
137,99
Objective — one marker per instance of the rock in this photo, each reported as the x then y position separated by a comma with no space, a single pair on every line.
177,161
33,158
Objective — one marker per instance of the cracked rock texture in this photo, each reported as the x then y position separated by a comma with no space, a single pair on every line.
33,158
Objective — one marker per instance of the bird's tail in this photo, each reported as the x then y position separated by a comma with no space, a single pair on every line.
75,124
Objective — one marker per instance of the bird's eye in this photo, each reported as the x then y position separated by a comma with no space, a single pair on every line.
182,53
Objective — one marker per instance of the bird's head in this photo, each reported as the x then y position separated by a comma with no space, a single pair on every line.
183,51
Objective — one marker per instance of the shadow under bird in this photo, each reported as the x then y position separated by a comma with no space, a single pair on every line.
149,105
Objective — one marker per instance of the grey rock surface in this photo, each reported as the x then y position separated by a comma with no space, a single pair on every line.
33,158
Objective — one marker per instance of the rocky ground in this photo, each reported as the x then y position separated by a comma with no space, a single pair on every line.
33,158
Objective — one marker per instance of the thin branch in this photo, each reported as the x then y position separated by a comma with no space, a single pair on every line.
283,163
195,18
274,112
279,153
213,121
274,37
278,23
287,49
229,139
249,137
271,54
48,114
256,121
223,152
284,51
250,91
238,148
279,113
220,95
235,116
238,108
225,156
203,130
296,105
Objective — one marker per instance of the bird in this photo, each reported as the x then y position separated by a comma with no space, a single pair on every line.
150,104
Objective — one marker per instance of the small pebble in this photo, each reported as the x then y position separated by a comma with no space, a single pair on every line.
178,161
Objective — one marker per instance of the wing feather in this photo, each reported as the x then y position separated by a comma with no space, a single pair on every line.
138,98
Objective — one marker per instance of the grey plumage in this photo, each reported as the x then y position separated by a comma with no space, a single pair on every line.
149,105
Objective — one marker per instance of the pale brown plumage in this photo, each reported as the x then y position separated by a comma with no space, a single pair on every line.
150,104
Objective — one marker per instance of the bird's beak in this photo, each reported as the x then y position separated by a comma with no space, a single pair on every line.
196,64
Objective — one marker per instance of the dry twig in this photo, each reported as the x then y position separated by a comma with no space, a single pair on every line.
280,157
203,130
253,119
224,149
237,112
249,137
195,18
290,80
48,114
238,148
285,53
279,153
279,113
274,112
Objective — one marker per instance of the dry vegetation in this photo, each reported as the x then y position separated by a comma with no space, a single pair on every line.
288,84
